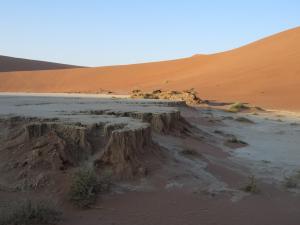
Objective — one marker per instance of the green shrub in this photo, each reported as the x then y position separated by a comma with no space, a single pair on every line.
28,212
84,188
237,107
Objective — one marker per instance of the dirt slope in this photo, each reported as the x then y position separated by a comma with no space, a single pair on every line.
8,64
265,73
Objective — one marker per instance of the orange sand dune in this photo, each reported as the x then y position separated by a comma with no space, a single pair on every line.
264,73
8,64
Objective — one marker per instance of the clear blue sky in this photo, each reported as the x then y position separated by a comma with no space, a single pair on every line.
106,32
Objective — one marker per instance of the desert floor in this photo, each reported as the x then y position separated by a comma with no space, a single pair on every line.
198,160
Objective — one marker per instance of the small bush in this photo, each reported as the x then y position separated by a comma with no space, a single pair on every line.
136,91
158,91
234,140
251,187
237,107
30,213
84,188
290,182
190,152
219,132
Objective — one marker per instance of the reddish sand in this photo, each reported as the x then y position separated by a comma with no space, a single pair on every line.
264,73
182,208
8,64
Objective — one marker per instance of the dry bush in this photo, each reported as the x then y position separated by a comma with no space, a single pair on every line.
29,212
234,140
85,185
251,187
189,96
83,189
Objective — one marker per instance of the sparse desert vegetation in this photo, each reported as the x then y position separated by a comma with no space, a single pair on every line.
235,140
84,187
130,145
29,212
292,181
189,96
251,186
190,152
237,107
117,133
86,184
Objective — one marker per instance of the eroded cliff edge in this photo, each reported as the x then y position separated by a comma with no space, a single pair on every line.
119,138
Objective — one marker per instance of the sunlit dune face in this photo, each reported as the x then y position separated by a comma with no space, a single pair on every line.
264,73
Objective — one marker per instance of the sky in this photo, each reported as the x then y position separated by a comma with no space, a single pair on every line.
111,32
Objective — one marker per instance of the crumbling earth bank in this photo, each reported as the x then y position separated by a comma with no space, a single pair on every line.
34,146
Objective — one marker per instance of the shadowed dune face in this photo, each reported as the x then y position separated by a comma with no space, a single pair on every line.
264,73
9,64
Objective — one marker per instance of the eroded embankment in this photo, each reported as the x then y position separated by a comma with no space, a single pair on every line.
34,150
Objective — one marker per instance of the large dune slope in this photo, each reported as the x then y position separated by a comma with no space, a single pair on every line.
8,64
265,73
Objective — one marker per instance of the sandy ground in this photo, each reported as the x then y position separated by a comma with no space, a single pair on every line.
178,207
273,150
264,73
202,188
